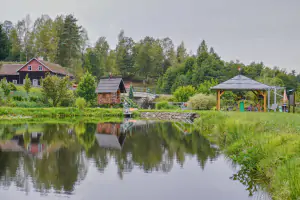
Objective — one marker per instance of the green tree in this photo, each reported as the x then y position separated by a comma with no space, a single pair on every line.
27,84
15,51
44,37
55,89
91,61
181,53
204,87
131,92
183,93
102,50
168,53
149,59
124,54
87,87
69,42
4,44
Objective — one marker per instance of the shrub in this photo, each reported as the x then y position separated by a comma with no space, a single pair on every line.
183,93
169,98
164,105
5,87
28,104
33,98
12,86
80,103
18,98
27,84
69,100
86,87
202,102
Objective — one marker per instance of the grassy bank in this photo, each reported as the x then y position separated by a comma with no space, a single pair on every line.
266,145
60,112
64,120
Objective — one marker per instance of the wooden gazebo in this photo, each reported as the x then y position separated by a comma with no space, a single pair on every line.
241,83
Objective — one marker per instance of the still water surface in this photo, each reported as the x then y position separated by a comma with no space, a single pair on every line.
130,160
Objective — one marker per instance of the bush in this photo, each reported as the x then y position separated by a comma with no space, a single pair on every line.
202,102
169,98
12,86
69,100
34,99
183,93
164,105
18,98
80,103
28,104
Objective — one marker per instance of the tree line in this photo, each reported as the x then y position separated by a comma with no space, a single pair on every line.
156,61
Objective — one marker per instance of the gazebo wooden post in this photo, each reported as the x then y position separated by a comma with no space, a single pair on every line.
218,100
219,94
265,101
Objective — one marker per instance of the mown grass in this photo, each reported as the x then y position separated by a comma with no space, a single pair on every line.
61,112
64,120
266,145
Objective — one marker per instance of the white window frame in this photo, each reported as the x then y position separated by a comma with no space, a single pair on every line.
29,66
15,81
35,80
40,68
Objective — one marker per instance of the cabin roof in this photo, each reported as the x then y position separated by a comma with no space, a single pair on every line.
110,85
241,82
9,69
108,141
55,68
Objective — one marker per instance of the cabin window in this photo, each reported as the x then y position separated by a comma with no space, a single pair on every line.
40,68
29,68
15,82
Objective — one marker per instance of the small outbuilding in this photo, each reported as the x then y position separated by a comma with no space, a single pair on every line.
242,83
109,90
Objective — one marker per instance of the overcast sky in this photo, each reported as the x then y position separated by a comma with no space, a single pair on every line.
247,30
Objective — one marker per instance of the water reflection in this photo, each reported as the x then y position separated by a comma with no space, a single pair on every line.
57,156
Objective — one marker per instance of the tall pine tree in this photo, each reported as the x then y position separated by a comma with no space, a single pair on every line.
69,42
4,44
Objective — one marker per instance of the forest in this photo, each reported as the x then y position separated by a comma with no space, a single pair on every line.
156,61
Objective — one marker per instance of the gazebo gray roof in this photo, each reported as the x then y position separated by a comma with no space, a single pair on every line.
241,82
110,85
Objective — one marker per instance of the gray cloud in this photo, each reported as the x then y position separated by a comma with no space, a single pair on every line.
256,30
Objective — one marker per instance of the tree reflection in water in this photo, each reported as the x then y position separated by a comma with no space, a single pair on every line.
70,149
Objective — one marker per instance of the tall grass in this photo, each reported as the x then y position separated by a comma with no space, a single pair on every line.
264,144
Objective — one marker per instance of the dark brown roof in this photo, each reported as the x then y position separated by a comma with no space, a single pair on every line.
109,85
10,69
56,68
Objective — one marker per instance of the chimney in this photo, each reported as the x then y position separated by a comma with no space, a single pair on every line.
40,58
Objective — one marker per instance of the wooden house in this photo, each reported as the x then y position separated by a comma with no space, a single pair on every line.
109,90
36,70
108,135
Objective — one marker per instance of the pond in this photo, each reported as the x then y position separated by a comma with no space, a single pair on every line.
128,160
